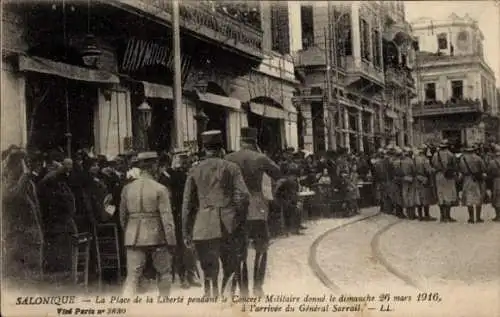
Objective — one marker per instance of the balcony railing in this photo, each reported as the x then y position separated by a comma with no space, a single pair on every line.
313,56
436,108
395,76
357,69
234,28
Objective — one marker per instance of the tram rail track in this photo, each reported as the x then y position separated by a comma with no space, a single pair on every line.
375,250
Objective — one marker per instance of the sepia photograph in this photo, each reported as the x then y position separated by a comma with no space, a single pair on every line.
250,158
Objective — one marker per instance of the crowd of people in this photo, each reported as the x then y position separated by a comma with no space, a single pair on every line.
409,181
175,209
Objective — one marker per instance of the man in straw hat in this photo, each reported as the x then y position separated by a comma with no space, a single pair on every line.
214,196
473,170
253,165
444,162
424,189
494,172
148,223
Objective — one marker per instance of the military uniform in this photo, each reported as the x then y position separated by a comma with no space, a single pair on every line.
397,175
445,164
253,165
424,190
146,216
213,198
381,177
493,169
472,168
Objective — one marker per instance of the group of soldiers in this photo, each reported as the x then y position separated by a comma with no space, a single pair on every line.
223,208
409,181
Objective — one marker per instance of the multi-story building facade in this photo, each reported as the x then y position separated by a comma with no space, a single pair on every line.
95,68
355,68
456,87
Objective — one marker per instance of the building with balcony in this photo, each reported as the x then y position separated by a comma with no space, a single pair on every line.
235,67
456,95
355,69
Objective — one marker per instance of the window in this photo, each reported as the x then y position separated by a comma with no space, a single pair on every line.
344,35
376,48
306,16
365,40
280,35
457,89
430,91
442,41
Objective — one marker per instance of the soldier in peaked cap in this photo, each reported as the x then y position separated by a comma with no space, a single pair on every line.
473,169
146,216
253,166
214,196
444,162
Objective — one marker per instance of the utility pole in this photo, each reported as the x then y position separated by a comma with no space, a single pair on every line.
176,43
328,86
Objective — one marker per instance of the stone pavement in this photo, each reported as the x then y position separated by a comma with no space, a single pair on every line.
288,273
384,254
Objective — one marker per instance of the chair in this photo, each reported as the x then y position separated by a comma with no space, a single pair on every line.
80,244
108,248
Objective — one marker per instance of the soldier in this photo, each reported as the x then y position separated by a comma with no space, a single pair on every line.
494,173
422,183
214,196
146,215
253,165
408,188
381,178
473,170
397,174
444,162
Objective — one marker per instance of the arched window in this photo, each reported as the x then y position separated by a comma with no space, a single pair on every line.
442,41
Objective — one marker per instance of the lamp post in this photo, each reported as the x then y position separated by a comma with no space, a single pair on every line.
201,124
90,52
145,116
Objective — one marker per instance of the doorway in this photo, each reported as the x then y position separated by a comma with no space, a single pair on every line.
51,113
217,120
269,132
162,123
454,137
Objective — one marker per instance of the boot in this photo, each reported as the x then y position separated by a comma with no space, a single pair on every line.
259,273
411,213
207,287
399,213
478,215
470,210
442,212
420,214
427,215
497,216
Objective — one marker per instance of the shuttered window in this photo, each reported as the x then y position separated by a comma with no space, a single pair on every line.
280,34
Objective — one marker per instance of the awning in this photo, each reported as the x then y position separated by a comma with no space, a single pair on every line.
46,66
157,91
267,111
228,102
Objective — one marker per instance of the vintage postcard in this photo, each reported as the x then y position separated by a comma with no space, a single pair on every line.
250,158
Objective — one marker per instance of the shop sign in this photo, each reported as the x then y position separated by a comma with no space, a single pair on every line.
140,53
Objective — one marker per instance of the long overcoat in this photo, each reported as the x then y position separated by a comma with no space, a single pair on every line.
473,189
446,190
213,196
424,186
493,169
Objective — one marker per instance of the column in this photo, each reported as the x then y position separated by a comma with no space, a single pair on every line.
360,131
372,129
234,125
327,128
346,128
308,128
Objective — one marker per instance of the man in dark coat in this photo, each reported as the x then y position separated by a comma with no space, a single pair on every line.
173,175
214,196
253,166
